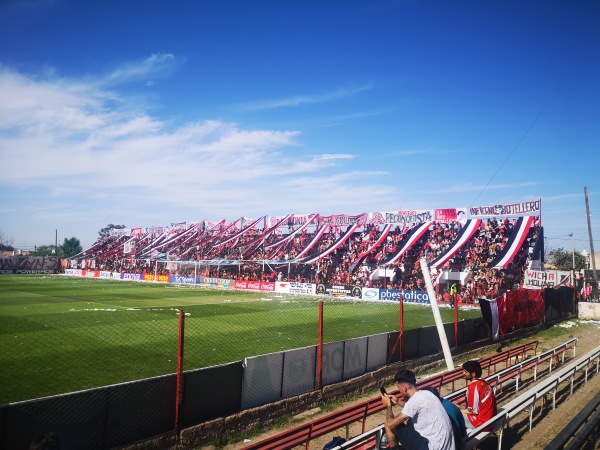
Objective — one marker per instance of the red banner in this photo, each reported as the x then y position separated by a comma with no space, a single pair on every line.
265,286
520,308
445,215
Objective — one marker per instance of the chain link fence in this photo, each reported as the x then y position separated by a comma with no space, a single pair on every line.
50,354
104,374
226,332
57,353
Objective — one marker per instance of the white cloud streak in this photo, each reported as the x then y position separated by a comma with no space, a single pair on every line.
155,66
298,100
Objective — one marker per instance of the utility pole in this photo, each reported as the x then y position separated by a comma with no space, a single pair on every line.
573,253
593,258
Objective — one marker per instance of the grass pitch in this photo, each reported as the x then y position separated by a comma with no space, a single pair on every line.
60,334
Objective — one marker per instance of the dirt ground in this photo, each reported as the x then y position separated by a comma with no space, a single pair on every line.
547,422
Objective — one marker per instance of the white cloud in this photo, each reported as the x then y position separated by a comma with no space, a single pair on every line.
78,145
298,100
156,65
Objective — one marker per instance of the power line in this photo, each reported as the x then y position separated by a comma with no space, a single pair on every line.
521,139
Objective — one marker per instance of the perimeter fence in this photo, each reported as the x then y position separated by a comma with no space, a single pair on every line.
58,353
167,369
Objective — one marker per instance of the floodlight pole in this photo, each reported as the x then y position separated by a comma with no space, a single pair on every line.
592,254
436,314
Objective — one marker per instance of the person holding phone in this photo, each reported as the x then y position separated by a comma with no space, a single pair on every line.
422,424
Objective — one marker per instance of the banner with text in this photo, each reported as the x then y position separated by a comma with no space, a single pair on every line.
514,209
394,295
29,264
293,287
410,217
339,291
262,286
538,279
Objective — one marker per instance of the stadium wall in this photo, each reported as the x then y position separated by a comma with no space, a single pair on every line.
28,264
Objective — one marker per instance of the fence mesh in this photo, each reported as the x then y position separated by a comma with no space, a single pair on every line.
85,348
220,333
81,349
225,332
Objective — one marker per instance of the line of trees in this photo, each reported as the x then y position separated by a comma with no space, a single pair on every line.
69,247
72,246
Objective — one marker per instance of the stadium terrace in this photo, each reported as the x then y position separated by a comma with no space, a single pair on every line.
484,256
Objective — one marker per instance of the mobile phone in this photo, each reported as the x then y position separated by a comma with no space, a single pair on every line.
382,390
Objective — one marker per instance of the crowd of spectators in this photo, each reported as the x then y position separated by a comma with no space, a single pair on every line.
250,255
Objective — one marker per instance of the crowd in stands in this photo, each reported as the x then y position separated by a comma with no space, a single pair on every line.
249,254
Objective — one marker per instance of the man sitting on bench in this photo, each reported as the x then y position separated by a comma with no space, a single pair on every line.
481,401
423,423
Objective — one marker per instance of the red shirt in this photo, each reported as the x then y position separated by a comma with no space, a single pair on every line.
481,401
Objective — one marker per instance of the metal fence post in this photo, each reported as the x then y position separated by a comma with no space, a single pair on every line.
455,297
179,382
320,348
401,327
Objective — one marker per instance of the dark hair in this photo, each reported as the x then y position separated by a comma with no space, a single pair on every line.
406,376
473,367
48,441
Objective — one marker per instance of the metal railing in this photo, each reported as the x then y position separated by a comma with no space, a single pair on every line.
369,438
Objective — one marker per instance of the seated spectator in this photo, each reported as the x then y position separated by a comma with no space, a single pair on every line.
456,417
423,424
481,401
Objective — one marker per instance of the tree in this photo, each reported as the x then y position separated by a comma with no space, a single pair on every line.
106,231
45,250
70,247
42,250
6,242
563,260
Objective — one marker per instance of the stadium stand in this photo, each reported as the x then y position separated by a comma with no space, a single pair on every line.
492,252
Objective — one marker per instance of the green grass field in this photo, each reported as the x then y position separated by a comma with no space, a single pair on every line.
60,334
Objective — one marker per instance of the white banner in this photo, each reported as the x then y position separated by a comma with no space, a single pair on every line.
73,272
514,209
402,217
537,279
295,221
295,288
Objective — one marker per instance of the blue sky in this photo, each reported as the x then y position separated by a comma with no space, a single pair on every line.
147,113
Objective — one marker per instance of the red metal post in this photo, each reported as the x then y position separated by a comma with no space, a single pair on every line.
402,328
179,378
320,348
456,320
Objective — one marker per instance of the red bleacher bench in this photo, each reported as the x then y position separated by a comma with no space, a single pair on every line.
358,413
